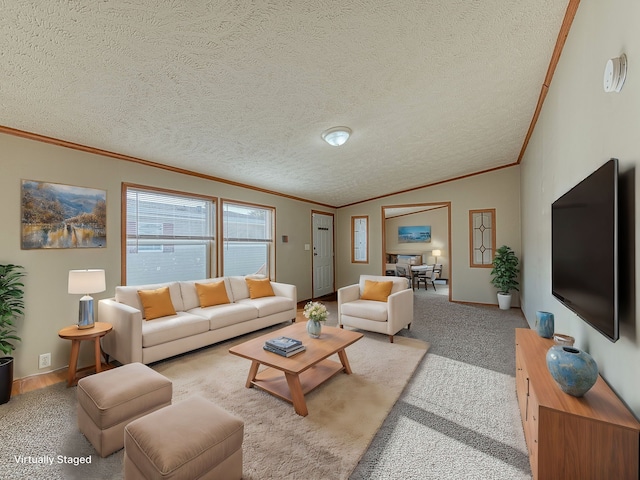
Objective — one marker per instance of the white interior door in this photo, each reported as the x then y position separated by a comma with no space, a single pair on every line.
322,254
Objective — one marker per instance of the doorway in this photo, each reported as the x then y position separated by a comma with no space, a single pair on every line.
323,255
434,215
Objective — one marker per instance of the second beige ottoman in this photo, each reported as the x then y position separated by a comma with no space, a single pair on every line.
190,439
109,400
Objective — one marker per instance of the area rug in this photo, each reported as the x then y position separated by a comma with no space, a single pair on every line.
344,415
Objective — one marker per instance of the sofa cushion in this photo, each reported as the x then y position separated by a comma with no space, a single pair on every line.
259,287
378,291
166,329
156,303
269,305
128,294
239,288
190,297
211,294
228,314
369,309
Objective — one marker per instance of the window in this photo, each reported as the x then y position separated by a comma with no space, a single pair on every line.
359,239
169,236
482,237
248,232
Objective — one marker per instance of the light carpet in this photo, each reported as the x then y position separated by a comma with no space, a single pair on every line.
344,415
458,417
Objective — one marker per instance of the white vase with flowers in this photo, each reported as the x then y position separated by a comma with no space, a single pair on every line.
316,312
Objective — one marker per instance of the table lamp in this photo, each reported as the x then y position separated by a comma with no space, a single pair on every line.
436,253
84,282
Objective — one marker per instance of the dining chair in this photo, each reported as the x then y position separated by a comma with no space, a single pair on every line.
427,277
402,271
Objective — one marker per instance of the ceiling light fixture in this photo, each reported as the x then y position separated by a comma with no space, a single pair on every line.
336,136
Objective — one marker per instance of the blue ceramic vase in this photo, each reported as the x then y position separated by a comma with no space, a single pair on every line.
574,370
544,324
313,328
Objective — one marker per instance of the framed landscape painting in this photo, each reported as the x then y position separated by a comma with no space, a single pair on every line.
419,234
54,215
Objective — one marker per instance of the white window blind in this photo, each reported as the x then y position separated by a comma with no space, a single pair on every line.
248,239
169,236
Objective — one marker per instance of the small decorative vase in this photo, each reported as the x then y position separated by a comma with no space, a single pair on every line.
562,339
574,370
313,328
544,324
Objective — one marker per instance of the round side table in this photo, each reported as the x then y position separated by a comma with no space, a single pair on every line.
76,335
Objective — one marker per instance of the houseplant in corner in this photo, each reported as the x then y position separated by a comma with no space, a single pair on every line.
11,307
504,274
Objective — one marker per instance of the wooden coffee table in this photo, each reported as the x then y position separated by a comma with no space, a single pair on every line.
291,378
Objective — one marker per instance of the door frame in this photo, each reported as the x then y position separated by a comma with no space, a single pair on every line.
426,206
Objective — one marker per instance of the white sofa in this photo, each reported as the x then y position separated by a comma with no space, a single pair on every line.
134,339
383,317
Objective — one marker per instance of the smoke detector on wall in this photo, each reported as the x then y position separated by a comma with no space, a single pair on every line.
615,73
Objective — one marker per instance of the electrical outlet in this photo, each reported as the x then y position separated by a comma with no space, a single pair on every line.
44,360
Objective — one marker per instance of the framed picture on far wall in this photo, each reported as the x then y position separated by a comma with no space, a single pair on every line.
420,234
54,215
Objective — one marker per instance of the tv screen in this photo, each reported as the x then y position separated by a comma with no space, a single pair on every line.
584,249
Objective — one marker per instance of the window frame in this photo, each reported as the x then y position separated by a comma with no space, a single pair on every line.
472,245
354,239
271,255
210,239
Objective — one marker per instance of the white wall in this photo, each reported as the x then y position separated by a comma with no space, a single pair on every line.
580,128
499,189
48,305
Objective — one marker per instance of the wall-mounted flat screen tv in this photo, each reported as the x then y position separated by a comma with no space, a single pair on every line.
584,249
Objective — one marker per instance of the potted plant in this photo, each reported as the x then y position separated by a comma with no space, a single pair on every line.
504,274
11,307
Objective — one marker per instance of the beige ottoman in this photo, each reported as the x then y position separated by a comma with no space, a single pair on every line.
190,439
109,400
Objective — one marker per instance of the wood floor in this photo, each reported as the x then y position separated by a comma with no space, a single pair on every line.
35,382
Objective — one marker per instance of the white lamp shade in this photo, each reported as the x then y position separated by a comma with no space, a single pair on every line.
436,253
83,282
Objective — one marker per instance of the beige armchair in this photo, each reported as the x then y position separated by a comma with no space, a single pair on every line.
376,316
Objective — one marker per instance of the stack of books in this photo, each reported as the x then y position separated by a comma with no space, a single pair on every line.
284,346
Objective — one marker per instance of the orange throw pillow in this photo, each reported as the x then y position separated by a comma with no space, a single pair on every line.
378,291
259,288
211,294
156,303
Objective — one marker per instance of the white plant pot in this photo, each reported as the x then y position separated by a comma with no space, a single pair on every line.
504,300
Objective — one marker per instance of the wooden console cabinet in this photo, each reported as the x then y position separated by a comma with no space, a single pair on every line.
592,437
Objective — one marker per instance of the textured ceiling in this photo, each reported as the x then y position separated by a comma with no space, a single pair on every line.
242,90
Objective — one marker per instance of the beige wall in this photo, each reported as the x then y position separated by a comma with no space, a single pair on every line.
580,128
48,305
499,189
438,219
